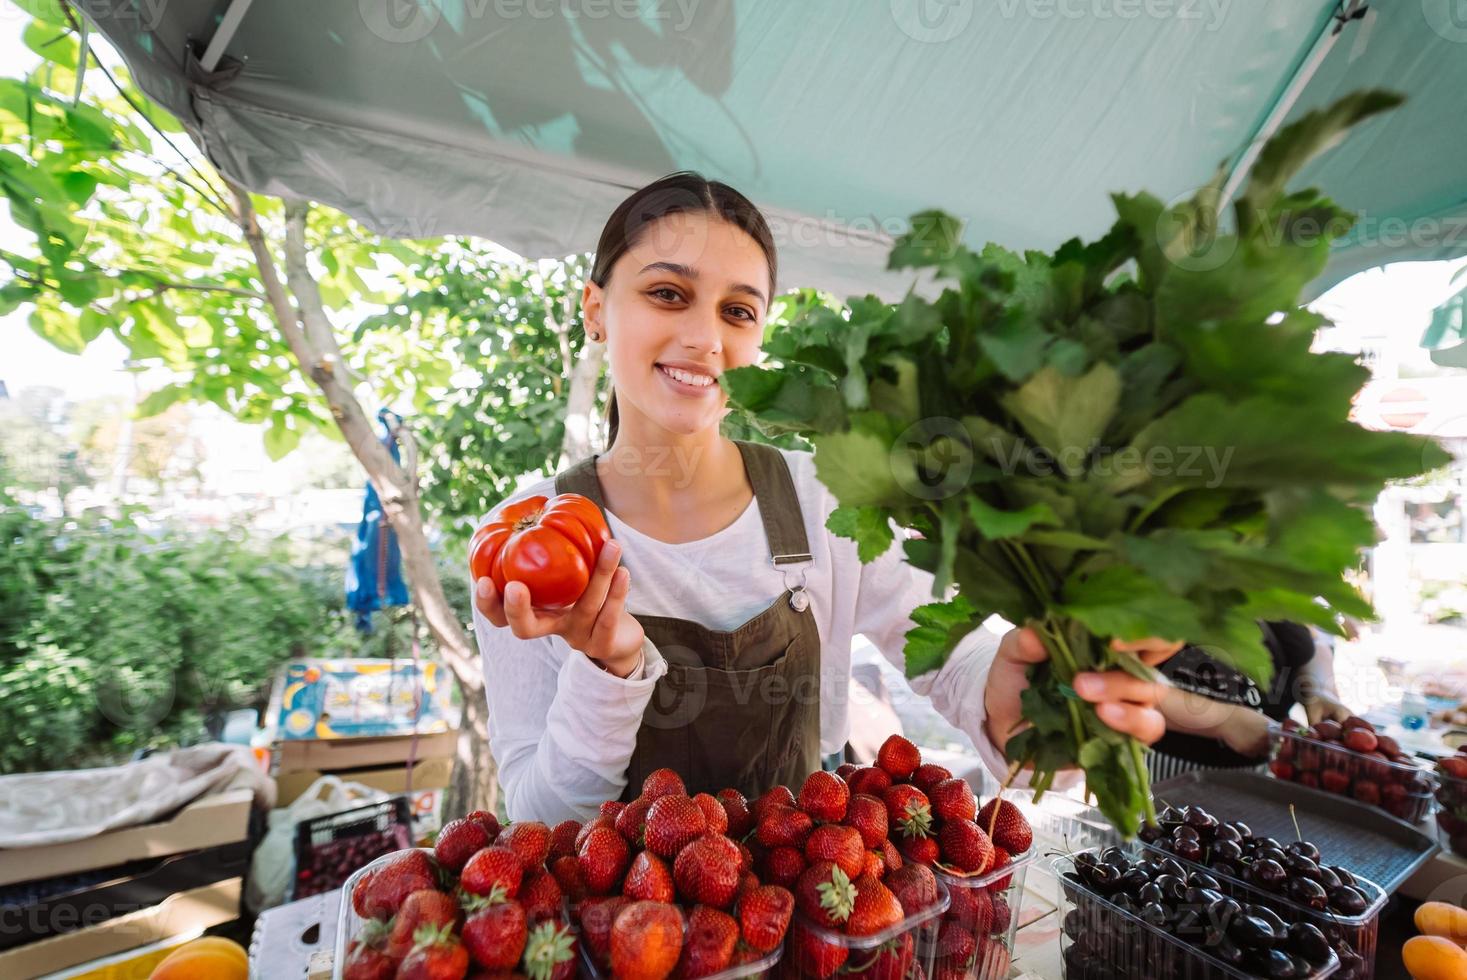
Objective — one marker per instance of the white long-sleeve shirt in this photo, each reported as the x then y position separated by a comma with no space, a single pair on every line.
562,730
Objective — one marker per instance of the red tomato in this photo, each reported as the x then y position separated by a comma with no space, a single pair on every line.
550,545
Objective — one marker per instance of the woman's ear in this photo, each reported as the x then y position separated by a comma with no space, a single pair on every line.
591,296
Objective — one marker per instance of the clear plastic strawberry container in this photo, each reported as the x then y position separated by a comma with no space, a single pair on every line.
988,907
1357,932
1099,940
907,949
348,923
1451,815
1404,791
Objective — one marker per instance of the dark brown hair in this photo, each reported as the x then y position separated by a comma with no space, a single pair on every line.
682,192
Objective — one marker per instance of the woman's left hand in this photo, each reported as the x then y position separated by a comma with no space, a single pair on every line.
1125,703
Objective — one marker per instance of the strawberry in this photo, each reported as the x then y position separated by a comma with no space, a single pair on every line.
746,857
673,822
367,962
972,908
495,933
714,814
908,812
783,865
493,867
591,825
567,872
541,896
648,879
1001,857
390,886
890,856
783,826
1010,831
868,815
845,769
873,865
965,846
748,881
956,944
458,841
563,838
597,915
894,961
631,821
928,775
915,887
428,907
825,895
837,843
1001,914
869,780
487,820
709,944
736,808
921,850
707,871
898,757
530,841
663,782
764,915
604,857
550,952
824,796
815,955
359,894
953,799
436,956
646,941
875,909
775,796
610,808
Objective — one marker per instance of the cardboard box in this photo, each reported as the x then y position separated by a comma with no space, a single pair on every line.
186,913
209,821
427,774
333,754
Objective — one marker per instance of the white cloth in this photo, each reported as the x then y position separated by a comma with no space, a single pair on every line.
562,730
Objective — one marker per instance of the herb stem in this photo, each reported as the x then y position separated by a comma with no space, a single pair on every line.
1143,777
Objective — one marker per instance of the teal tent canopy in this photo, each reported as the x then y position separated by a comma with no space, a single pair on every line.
526,121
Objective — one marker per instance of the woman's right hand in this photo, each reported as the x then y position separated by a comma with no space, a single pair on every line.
598,624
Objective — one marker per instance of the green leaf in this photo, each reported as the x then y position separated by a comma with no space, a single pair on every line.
994,524
934,239
869,527
1123,603
280,438
58,327
784,400
161,400
1066,415
54,43
1016,344
940,625
861,469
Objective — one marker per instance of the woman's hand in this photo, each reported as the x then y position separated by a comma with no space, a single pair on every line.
1125,703
1239,727
598,624
1320,706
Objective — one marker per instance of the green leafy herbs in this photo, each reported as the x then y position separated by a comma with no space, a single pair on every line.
1127,438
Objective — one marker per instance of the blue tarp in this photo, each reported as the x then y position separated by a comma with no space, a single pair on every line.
374,573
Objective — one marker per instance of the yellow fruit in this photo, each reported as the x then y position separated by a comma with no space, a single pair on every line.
1434,958
207,958
1443,919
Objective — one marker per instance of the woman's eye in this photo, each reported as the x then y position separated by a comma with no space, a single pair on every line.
743,312
666,293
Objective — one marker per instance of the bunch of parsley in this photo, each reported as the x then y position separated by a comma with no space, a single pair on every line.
1127,438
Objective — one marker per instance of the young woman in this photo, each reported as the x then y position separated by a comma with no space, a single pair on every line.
715,635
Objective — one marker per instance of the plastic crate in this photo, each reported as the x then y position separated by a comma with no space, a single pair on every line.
907,949
1451,817
1358,932
1101,941
1403,791
329,848
988,906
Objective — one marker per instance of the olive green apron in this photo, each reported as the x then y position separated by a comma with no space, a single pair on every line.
739,707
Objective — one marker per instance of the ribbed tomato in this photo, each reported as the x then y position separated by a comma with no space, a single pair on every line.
551,545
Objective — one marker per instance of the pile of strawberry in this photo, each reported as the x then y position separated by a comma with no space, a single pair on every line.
483,902
908,819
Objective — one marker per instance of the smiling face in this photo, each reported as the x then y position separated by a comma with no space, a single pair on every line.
683,304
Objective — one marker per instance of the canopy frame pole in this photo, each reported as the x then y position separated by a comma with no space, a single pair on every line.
1345,12
228,25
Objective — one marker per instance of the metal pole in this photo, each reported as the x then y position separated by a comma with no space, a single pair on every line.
227,28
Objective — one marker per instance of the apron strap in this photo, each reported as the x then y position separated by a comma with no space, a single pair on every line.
779,504
769,474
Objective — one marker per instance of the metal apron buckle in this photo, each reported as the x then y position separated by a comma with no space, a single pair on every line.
799,598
